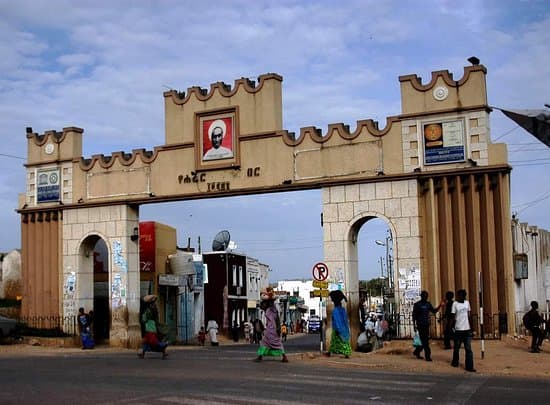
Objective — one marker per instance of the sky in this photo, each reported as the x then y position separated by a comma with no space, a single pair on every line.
103,66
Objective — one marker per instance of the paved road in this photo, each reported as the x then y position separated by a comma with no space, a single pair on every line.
227,375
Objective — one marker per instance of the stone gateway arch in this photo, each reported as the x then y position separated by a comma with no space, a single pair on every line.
431,173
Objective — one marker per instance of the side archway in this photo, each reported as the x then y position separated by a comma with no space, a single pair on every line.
345,210
351,272
92,277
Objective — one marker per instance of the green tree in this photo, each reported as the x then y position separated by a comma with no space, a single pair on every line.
375,286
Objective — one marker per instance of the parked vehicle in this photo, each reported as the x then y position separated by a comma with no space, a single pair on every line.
7,326
314,324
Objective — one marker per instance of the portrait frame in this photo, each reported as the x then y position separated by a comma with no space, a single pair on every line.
226,154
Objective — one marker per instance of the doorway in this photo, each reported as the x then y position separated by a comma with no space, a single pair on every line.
102,315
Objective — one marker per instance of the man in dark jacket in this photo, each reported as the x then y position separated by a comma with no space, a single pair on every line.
421,322
532,321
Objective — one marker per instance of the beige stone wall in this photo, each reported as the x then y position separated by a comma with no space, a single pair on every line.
364,170
347,208
260,106
114,224
268,159
478,142
66,173
165,243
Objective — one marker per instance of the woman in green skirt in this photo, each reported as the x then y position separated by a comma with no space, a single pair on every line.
339,340
271,344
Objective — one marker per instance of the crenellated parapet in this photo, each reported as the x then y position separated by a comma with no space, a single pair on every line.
257,105
224,89
365,127
121,157
445,75
444,125
53,145
51,135
443,93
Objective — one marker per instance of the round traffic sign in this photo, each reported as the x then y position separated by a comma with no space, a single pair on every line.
320,271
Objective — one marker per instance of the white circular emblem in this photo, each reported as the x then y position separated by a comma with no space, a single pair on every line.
440,93
53,178
49,148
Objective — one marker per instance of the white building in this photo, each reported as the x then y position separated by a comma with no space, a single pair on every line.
257,274
303,288
531,248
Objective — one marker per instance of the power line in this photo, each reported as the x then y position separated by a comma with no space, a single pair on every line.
529,160
263,241
506,133
531,164
533,202
12,156
289,248
529,150
523,144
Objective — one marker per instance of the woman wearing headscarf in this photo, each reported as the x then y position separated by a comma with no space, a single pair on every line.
212,330
150,321
339,340
271,344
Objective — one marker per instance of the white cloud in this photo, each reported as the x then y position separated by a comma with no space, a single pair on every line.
76,59
103,66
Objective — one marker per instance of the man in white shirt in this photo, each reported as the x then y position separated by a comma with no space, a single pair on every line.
216,132
462,325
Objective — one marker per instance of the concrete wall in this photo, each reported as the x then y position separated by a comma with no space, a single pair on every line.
535,244
365,172
114,224
346,209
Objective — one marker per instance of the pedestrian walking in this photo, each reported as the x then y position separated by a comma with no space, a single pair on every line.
462,330
235,331
271,344
448,320
84,327
258,331
284,332
421,323
339,339
247,334
532,322
150,321
202,336
380,328
212,330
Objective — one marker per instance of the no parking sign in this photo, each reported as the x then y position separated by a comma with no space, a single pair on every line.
320,271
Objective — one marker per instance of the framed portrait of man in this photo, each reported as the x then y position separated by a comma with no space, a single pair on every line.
216,138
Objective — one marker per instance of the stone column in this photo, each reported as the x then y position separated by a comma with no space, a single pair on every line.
124,285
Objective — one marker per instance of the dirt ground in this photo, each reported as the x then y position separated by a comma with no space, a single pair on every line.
507,357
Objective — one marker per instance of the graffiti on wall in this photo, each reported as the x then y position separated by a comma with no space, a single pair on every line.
118,282
409,288
118,258
69,294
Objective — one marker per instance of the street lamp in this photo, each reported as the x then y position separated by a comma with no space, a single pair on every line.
381,261
388,244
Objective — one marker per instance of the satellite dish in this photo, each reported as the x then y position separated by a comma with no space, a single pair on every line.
221,241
